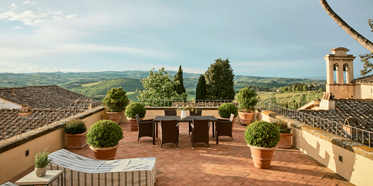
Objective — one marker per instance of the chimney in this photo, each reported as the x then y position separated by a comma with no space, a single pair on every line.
25,111
327,101
13,92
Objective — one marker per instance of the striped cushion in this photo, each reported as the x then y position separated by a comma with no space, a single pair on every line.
79,170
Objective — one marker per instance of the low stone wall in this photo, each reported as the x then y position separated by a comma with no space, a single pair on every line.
350,159
13,159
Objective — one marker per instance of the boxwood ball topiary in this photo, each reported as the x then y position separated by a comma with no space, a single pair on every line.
135,108
262,134
116,100
75,126
226,109
104,133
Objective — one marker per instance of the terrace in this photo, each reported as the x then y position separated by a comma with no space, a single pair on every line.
228,163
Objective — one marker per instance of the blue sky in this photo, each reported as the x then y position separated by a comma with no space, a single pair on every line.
286,38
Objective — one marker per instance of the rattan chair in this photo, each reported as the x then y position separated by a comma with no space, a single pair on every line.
193,113
200,132
224,128
145,127
170,112
170,132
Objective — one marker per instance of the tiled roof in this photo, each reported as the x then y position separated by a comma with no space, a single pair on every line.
366,79
52,96
361,109
12,124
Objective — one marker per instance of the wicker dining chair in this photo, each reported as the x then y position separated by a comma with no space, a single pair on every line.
224,128
170,132
200,132
170,112
193,113
144,127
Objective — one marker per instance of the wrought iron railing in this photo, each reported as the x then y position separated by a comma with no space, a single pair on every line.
182,103
347,131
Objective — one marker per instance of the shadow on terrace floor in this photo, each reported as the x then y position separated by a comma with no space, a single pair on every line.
228,163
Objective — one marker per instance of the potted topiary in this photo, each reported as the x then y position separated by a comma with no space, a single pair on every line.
75,134
41,162
285,133
262,138
247,99
115,101
103,138
131,111
226,109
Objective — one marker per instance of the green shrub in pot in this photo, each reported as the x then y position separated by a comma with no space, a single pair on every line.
116,100
104,133
262,134
75,126
135,108
226,109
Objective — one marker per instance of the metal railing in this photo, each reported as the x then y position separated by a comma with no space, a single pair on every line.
337,128
182,103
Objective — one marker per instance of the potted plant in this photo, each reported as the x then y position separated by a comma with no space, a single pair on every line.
41,162
103,138
131,111
75,134
184,109
115,101
285,133
262,138
247,99
225,111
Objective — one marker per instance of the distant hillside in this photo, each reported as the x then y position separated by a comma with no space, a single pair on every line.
96,84
99,89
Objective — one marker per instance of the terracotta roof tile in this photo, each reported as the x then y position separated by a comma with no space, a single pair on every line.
366,79
11,124
361,109
51,96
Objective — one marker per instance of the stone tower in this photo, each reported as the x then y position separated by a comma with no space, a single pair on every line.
340,73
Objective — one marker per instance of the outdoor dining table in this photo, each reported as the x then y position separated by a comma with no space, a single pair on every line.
188,119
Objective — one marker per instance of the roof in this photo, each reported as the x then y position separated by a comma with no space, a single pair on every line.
12,124
51,96
361,109
366,79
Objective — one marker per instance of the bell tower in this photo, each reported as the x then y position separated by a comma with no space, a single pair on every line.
340,73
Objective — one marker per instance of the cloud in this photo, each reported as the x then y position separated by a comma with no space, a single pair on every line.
28,67
71,16
28,2
26,17
17,27
13,6
55,12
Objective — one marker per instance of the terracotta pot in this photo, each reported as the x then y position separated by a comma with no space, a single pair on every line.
40,172
76,141
246,117
262,157
107,153
115,116
133,123
285,141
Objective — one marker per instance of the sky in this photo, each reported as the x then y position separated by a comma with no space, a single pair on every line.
286,38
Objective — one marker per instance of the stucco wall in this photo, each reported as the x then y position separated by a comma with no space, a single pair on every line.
366,91
9,105
341,90
326,148
13,161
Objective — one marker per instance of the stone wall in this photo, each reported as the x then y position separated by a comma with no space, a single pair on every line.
350,159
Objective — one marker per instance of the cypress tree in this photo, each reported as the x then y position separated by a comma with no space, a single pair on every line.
179,77
219,77
201,88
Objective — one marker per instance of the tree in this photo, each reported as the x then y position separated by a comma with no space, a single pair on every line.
368,66
201,88
304,88
219,79
158,87
179,79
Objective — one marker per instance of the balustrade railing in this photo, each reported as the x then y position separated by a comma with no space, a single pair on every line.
347,131
182,103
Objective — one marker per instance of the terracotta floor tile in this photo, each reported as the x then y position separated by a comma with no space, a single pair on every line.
228,163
